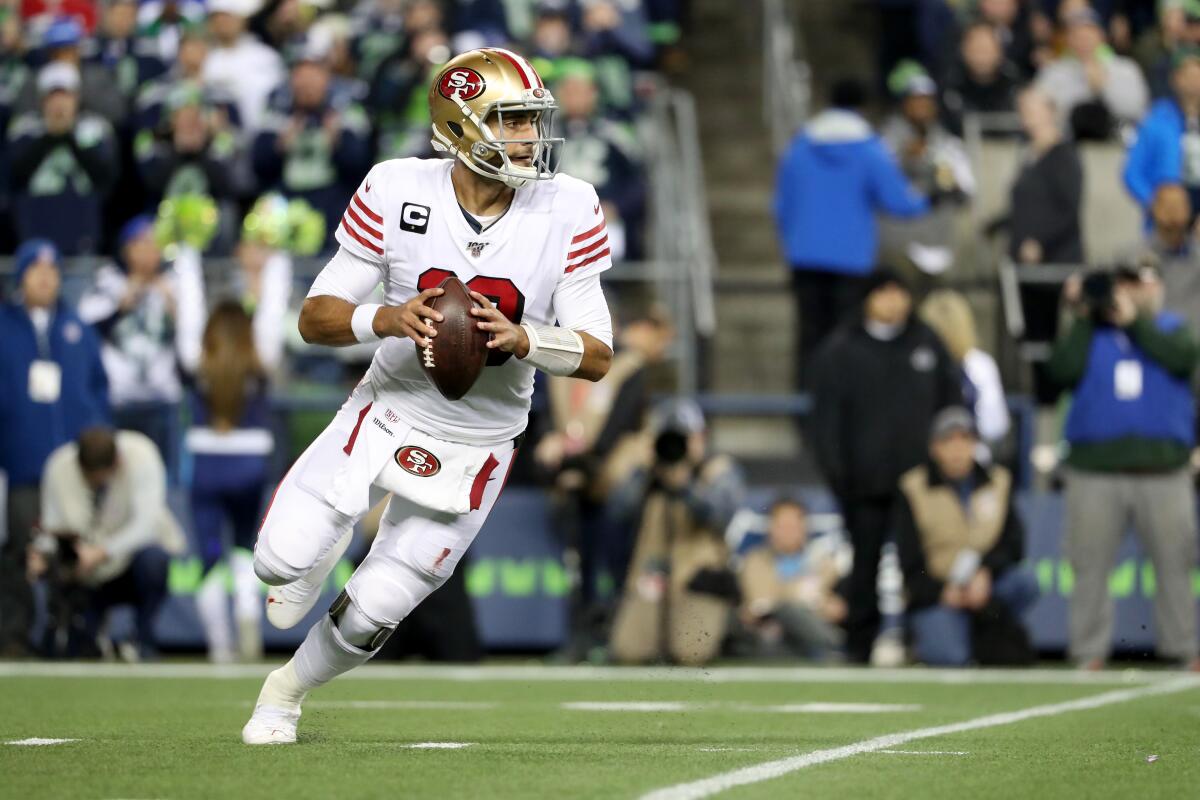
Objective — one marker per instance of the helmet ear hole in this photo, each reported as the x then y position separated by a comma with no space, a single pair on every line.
455,128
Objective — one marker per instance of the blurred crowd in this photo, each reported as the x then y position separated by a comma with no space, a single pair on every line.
111,108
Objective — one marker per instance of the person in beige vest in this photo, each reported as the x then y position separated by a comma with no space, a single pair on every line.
789,606
961,544
104,506
679,593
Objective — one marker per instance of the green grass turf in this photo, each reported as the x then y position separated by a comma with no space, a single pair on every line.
179,738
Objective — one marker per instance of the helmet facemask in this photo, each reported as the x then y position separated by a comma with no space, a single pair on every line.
489,155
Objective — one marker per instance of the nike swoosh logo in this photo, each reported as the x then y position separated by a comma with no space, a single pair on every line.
596,210
367,187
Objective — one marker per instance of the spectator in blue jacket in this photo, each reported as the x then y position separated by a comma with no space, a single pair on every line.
54,387
1167,149
1131,430
836,176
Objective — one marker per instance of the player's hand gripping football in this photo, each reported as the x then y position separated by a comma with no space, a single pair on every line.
507,336
409,320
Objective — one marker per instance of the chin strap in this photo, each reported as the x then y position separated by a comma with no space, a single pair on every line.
558,351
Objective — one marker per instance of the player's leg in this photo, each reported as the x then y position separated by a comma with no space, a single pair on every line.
414,553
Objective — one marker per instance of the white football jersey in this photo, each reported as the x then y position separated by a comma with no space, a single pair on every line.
406,218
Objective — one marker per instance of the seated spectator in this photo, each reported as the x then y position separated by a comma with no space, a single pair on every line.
961,544
1047,196
835,177
239,65
788,602
99,93
1131,430
105,496
601,152
1169,240
62,163
950,316
935,162
1015,25
165,23
982,80
194,151
314,144
130,59
1093,88
680,503
132,306
150,105
1155,48
54,387
1167,149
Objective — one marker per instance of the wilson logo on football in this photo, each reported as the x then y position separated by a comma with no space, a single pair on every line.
463,83
418,461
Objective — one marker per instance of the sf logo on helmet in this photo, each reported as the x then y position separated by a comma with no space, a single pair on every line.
461,82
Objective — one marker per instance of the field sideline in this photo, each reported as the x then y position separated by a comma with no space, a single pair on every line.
513,730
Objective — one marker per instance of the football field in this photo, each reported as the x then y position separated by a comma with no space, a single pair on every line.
517,731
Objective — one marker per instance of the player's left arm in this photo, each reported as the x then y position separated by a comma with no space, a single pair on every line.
570,350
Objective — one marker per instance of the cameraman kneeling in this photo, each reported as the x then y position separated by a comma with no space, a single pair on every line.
1131,431
106,536
680,592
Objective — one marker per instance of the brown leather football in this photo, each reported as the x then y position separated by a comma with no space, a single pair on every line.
459,351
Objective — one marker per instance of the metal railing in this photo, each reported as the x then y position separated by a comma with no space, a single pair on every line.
681,250
787,78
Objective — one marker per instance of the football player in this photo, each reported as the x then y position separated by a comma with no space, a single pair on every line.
530,245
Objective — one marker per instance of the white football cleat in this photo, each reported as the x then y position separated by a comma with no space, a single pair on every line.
290,603
271,725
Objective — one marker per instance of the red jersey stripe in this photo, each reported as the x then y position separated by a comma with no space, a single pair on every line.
364,227
583,251
591,260
371,215
349,448
585,236
365,242
481,481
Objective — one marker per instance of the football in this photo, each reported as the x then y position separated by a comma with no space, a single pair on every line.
459,351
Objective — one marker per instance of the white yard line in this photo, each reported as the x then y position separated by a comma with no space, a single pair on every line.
438,745
925,752
35,742
402,705
577,674
836,708
631,706
773,769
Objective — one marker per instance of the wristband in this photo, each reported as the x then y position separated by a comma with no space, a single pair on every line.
363,322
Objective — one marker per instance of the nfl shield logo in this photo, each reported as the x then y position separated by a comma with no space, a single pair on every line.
476,248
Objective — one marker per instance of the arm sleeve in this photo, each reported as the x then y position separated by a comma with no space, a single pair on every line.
991,407
1010,547
1125,93
1175,350
580,306
890,190
588,252
190,309
53,510
923,590
826,424
349,276
150,478
272,308
1139,179
1068,359
360,231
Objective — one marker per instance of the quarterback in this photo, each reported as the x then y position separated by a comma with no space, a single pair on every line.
530,245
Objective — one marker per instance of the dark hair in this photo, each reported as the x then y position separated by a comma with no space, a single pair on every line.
787,501
97,449
848,93
228,363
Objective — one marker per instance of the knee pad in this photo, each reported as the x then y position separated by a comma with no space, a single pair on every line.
279,560
356,627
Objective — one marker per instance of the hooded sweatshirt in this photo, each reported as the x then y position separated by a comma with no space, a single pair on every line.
836,176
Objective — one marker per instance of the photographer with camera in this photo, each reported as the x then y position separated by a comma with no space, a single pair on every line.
106,533
680,591
1130,431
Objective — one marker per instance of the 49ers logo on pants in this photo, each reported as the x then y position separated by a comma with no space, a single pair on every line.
461,82
418,461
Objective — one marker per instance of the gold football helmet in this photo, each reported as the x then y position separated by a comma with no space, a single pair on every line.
467,103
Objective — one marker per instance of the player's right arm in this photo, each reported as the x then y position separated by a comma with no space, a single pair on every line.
335,312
